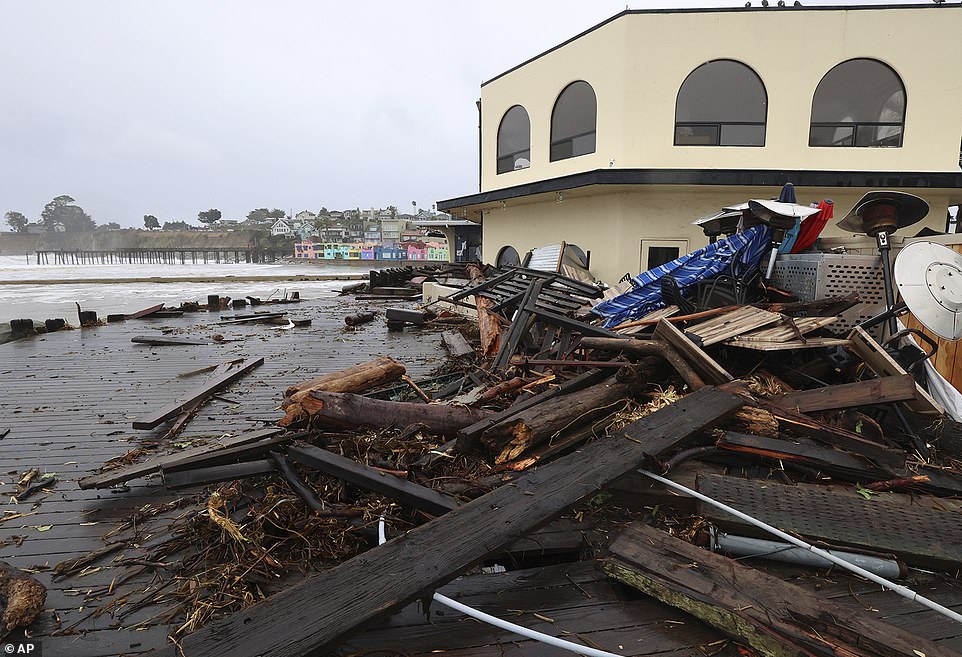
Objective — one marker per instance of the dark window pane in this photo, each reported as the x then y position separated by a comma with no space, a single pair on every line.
742,135
659,255
514,140
573,122
721,103
508,257
696,135
878,135
865,100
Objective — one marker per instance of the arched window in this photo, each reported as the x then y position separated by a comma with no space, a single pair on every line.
573,122
514,140
508,257
860,102
721,103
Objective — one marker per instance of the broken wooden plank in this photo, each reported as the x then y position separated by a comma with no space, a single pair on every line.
211,387
831,435
848,395
724,327
208,368
145,312
167,340
456,345
238,453
833,461
788,345
880,362
922,537
203,476
368,478
256,315
706,366
776,618
323,609
260,317
134,470
786,330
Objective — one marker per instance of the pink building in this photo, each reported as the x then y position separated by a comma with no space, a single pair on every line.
417,251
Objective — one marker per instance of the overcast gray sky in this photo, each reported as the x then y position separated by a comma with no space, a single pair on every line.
172,107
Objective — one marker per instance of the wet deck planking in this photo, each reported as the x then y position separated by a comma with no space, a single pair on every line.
69,398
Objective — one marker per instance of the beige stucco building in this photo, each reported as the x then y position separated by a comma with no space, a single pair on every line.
631,130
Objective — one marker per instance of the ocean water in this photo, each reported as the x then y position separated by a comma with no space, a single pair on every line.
42,292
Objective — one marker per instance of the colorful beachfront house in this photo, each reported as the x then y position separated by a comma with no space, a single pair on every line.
391,252
590,144
437,251
417,250
367,252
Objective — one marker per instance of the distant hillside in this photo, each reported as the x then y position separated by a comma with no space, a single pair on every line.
107,240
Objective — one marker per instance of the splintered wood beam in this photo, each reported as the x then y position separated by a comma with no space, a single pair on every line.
880,362
135,470
210,388
468,436
831,435
648,348
776,618
368,478
848,395
706,366
314,615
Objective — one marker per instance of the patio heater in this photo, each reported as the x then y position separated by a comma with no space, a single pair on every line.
721,223
780,217
929,277
880,214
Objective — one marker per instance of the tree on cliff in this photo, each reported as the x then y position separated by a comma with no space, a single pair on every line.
17,221
150,222
177,225
263,215
62,212
209,217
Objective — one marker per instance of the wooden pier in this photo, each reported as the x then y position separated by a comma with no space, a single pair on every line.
165,256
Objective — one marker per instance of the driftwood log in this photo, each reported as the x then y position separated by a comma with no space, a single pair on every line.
488,324
341,410
359,378
538,424
22,598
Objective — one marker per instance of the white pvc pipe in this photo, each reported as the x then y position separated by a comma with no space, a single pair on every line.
903,591
505,625
744,546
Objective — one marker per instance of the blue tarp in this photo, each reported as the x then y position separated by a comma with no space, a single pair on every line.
737,254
